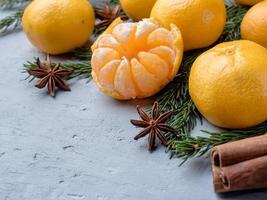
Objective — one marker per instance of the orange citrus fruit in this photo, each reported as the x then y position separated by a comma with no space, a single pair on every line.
248,2
137,9
136,60
59,26
254,24
200,21
228,84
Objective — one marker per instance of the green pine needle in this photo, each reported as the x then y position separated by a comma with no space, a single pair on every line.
114,2
176,97
80,69
83,53
199,146
11,22
232,27
9,4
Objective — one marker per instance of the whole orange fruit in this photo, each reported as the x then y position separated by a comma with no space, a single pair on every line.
201,21
137,9
58,26
254,24
228,84
136,60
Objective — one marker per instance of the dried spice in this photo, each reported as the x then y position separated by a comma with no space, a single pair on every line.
107,14
51,76
154,126
240,165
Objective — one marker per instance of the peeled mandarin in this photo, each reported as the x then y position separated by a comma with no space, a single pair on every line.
136,60
228,84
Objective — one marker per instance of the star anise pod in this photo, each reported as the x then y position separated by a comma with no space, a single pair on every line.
153,125
51,76
106,14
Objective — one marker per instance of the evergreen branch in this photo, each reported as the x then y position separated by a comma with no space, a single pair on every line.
9,4
232,27
83,53
11,22
80,69
199,146
176,97
114,2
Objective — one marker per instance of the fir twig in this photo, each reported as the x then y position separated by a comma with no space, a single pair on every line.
199,146
80,69
114,2
176,97
83,53
11,22
8,4
232,27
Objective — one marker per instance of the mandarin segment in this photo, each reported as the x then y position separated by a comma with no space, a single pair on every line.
160,36
144,28
108,41
124,32
155,65
107,73
102,56
145,81
123,80
136,60
164,53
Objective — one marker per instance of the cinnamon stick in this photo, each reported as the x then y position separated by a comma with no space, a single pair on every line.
217,181
250,174
238,151
240,165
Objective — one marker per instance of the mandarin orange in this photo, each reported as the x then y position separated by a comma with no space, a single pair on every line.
254,24
57,27
136,60
228,84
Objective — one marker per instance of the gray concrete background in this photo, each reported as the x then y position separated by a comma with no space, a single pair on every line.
79,146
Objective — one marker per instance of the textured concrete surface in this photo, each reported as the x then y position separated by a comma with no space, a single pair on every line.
79,146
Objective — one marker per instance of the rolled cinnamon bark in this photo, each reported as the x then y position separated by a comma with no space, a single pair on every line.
217,181
242,150
250,174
